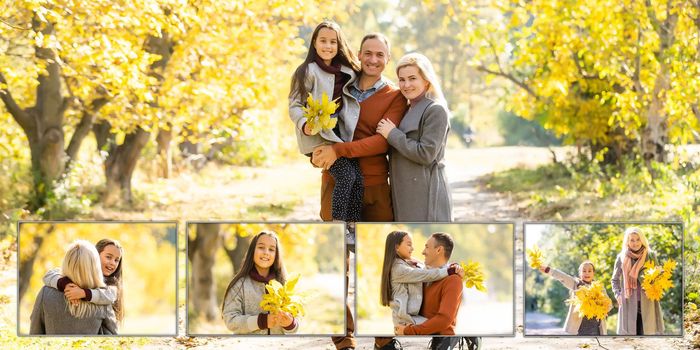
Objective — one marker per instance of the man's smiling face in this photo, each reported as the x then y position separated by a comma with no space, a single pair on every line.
374,55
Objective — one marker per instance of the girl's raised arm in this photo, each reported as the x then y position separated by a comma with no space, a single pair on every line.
51,278
401,273
567,280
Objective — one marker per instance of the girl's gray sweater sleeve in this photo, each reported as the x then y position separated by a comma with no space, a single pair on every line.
51,278
104,296
426,149
235,319
565,279
400,273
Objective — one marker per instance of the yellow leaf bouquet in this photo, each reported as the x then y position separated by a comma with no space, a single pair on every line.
657,279
591,301
534,255
318,113
473,276
282,298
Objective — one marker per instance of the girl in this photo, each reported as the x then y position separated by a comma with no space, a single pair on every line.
81,265
575,324
637,314
401,286
329,68
110,253
419,187
241,308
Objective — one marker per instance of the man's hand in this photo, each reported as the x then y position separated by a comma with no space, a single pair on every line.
398,330
324,156
73,292
384,127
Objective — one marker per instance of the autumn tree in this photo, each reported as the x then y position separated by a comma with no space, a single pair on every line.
609,75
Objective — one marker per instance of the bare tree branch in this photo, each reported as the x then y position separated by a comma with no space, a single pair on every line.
20,115
511,78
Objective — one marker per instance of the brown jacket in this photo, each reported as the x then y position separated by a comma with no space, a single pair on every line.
441,302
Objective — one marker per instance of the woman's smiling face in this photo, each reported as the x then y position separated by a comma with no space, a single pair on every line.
264,254
110,258
634,242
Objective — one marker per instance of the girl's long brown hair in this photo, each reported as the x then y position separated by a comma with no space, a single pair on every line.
248,265
115,279
344,56
393,239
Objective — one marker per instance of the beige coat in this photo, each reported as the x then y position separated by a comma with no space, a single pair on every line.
652,316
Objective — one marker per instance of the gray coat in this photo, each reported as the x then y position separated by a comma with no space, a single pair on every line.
51,316
317,82
407,290
573,320
652,317
242,306
419,187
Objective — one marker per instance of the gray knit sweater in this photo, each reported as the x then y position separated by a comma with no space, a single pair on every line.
242,307
101,296
407,290
51,316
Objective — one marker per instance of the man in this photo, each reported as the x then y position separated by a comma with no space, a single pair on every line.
378,99
51,316
441,299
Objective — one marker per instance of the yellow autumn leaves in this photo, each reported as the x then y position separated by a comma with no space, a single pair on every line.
657,279
318,113
473,276
534,255
281,297
591,301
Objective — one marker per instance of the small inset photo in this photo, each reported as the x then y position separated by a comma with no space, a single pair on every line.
597,279
435,279
263,278
97,278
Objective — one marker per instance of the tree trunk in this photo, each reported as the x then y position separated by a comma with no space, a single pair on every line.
120,166
86,124
105,139
237,254
42,123
165,157
202,253
26,267
121,162
655,134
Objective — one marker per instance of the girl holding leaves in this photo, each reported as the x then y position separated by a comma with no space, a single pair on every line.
241,308
637,315
111,261
576,324
326,73
403,277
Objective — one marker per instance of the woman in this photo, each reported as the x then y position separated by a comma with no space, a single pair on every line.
637,314
241,307
111,262
54,313
419,187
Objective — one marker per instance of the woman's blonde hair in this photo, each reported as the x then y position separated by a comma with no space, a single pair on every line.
434,92
82,265
626,240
